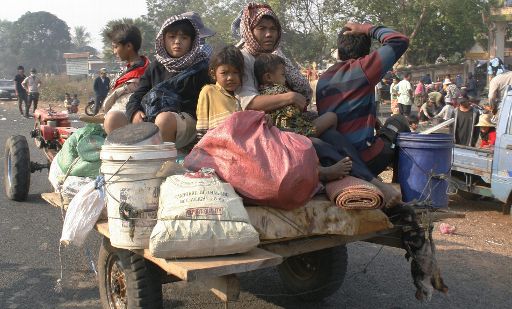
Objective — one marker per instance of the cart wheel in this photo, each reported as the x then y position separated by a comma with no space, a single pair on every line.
17,168
315,275
127,280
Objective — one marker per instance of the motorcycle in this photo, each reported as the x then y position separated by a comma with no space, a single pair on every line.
89,108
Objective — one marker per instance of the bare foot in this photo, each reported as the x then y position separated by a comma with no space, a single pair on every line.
337,171
392,197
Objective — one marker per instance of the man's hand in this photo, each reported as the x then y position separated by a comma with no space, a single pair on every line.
297,99
356,29
138,117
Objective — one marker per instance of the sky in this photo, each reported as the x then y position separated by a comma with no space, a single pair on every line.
92,14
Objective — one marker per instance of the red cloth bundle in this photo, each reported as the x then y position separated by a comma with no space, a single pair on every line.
265,165
354,193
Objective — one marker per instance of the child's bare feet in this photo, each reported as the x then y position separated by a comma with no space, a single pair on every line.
337,171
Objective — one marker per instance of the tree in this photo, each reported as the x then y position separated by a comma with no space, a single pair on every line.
81,38
147,31
7,58
38,40
433,26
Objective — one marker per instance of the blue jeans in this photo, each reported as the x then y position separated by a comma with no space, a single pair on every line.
332,146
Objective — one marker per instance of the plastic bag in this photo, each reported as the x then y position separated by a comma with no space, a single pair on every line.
83,213
265,165
198,215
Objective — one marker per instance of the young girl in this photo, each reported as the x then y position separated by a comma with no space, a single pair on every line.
487,131
169,88
217,102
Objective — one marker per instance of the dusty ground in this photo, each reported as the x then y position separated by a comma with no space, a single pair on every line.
483,229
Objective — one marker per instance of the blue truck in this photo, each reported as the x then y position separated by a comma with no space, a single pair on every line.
488,172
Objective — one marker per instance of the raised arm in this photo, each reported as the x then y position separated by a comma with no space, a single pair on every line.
379,62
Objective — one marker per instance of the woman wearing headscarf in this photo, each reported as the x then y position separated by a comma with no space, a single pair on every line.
260,32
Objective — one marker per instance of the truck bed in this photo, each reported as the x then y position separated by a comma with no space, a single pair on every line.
473,160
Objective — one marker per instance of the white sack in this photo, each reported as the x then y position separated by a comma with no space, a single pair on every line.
200,217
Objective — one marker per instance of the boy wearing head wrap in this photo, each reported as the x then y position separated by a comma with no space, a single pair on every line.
169,89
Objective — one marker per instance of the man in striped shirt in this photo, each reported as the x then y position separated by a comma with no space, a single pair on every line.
347,88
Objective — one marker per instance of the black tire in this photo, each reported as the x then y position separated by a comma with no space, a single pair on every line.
315,275
89,110
127,280
17,168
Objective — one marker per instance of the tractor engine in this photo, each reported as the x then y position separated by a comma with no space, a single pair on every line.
51,128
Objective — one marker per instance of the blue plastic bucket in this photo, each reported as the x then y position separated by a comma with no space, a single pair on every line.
424,163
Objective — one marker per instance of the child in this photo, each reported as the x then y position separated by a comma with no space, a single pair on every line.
67,101
169,89
487,131
217,102
413,123
393,90
126,41
269,70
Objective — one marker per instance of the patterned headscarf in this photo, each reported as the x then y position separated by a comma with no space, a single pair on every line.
176,65
251,16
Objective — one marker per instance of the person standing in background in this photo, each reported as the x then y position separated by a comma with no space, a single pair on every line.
471,86
405,95
31,85
101,88
21,93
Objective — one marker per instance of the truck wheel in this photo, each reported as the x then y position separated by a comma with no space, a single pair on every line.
17,168
315,275
127,280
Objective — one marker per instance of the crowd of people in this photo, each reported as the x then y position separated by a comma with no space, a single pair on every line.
442,100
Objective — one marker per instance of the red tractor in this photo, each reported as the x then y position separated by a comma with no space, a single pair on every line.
51,129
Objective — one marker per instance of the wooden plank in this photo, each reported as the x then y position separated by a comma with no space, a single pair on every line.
53,199
226,288
207,267
294,247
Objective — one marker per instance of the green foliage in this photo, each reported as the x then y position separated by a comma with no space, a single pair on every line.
7,59
80,38
38,40
434,26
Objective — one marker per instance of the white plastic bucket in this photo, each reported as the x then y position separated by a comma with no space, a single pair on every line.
130,176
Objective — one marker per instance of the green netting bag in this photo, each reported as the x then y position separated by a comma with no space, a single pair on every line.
85,144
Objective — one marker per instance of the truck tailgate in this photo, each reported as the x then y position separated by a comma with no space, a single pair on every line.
473,160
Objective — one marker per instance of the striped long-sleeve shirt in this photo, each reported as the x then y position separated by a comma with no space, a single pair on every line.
347,88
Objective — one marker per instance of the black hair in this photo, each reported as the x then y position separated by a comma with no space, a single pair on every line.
228,55
353,46
124,34
413,119
407,74
266,63
184,26
20,67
